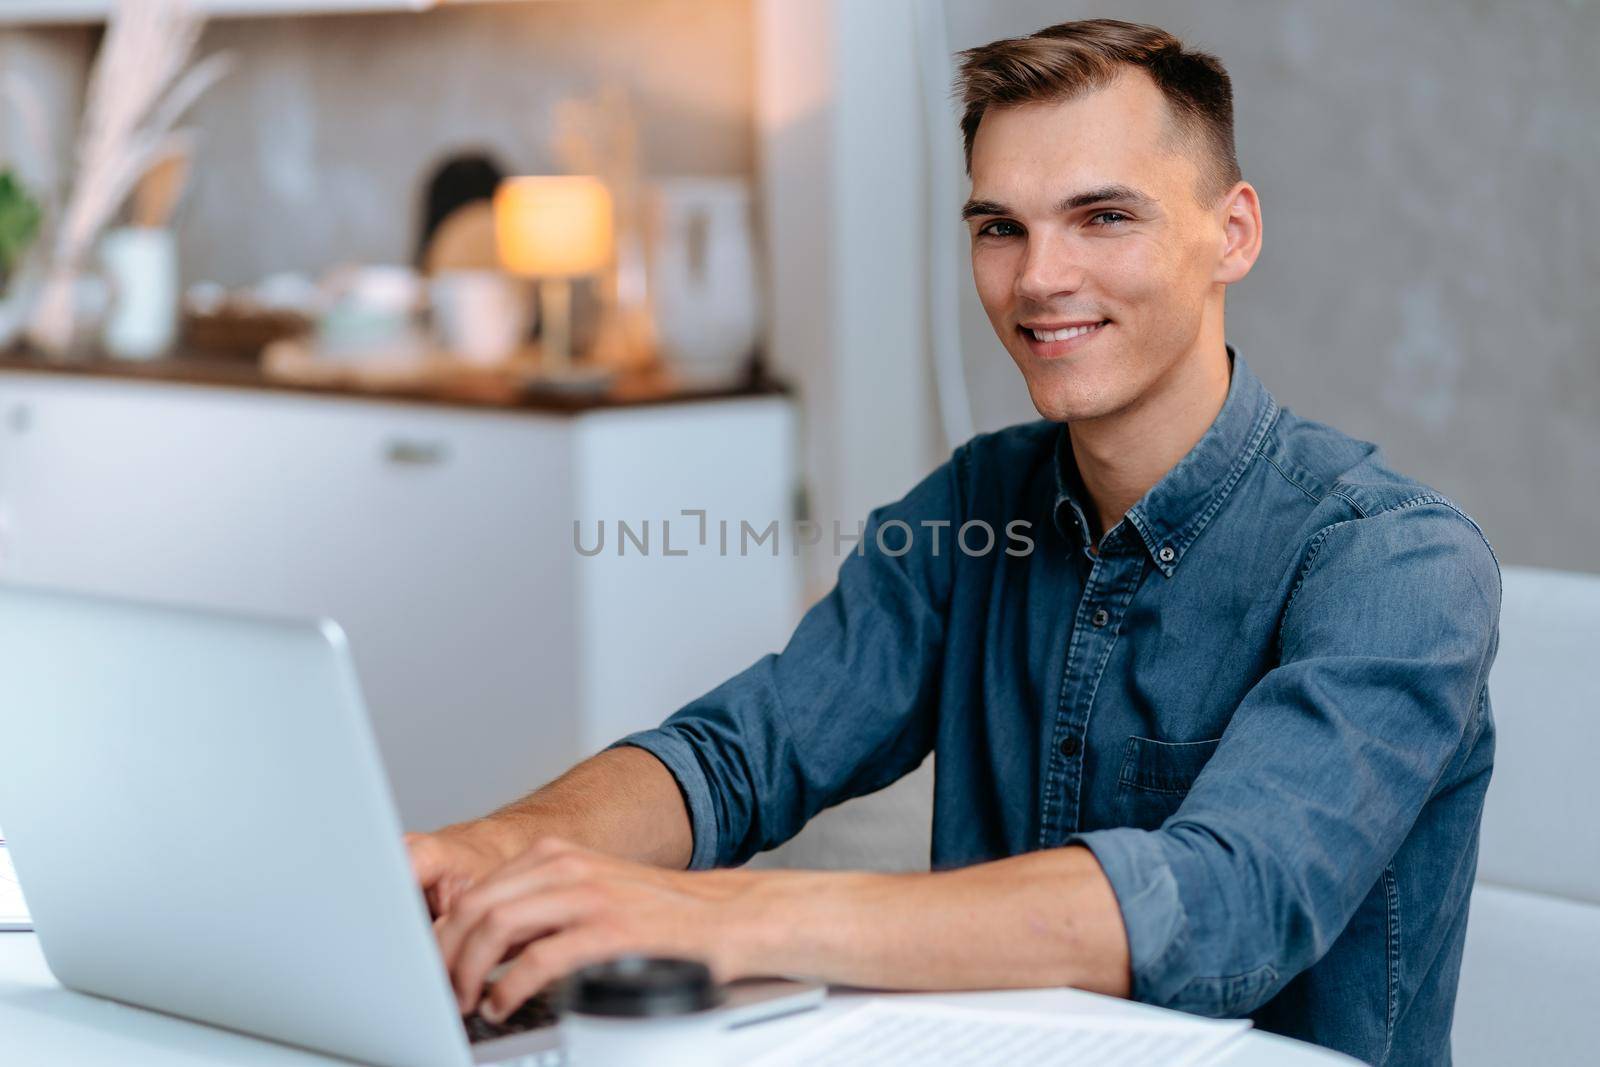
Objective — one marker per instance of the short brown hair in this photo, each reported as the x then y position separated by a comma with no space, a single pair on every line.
1061,61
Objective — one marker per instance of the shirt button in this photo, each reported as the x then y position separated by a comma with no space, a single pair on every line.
1100,617
1166,555
1069,746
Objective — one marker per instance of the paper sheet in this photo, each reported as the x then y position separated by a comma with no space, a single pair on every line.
13,910
883,1033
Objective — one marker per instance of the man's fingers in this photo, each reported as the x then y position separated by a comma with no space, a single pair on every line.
434,872
504,887
504,928
427,862
446,891
543,962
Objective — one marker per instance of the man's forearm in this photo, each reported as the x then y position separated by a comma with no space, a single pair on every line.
1042,919
622,802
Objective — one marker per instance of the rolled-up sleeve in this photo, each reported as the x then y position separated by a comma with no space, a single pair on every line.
845,709
1385,648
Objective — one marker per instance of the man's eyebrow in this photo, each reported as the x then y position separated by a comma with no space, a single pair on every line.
1122,194
974,208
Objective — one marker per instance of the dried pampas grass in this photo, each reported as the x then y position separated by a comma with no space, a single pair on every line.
138,91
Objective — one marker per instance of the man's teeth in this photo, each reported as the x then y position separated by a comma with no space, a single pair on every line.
1063,335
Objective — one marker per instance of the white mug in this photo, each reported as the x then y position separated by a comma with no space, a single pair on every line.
481,316
600,1041
641,1011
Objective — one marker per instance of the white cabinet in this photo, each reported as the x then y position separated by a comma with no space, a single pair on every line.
492,653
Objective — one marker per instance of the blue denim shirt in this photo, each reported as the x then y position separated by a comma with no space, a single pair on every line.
1261,704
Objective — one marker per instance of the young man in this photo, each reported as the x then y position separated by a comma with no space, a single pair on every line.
1212,733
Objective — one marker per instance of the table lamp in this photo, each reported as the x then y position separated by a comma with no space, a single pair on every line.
553,229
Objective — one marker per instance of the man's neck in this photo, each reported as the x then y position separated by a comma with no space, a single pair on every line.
1121,456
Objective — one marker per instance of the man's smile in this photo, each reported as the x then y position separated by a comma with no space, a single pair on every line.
1050,340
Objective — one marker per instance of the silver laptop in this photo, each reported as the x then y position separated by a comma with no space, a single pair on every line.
198,814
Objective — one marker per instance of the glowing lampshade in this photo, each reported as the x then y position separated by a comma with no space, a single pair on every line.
553,227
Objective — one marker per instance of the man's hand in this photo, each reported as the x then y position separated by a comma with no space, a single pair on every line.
513,888
557,907
450,861
1043,919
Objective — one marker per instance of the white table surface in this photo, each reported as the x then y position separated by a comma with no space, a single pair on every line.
42,1023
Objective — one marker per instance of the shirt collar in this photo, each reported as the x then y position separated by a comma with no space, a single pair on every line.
1169,517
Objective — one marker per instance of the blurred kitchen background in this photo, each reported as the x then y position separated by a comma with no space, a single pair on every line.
355,306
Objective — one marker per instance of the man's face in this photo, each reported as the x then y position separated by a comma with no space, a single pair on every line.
1084,217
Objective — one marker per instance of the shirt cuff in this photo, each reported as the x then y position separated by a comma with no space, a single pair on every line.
678,756
1152,909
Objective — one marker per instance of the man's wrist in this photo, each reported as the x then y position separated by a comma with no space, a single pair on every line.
795,923
504,835
756,942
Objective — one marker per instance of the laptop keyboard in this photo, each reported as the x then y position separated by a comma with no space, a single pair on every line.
536,1013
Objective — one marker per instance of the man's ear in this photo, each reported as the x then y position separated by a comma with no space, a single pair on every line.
1241,233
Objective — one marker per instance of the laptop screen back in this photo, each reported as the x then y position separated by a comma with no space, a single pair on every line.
196,804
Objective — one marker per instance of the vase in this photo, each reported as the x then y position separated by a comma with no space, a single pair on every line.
702,277
141,269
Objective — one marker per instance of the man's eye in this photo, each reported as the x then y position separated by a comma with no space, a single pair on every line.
1000,228
1112,218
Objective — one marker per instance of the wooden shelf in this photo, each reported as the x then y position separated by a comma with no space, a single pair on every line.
470,388
68,12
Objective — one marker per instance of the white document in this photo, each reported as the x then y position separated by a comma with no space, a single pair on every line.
13,910
884,1033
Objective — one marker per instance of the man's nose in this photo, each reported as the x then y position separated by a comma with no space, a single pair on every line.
1050,268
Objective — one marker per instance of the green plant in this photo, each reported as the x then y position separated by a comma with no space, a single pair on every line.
20,216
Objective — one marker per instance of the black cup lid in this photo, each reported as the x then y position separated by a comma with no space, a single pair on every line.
641,987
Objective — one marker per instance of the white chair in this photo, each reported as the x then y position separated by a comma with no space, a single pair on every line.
1530,978
889,830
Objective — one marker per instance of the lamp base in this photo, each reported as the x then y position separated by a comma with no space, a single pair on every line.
555,323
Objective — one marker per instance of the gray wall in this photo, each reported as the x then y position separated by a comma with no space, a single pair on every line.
314,150
1428,173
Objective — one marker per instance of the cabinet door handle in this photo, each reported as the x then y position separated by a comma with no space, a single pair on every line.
408,452
19,418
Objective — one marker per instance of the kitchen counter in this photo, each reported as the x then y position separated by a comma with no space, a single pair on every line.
462,386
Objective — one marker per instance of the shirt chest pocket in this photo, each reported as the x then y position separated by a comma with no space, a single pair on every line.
1156,776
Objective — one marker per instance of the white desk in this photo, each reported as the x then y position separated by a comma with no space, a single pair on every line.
43,1024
